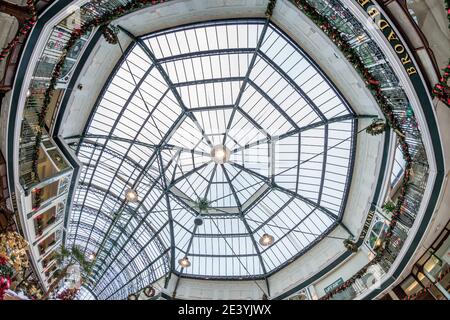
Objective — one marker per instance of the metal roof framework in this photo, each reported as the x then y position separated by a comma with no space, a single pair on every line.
175,95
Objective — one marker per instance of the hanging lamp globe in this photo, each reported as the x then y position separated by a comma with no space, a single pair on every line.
266,240
131,195
184,262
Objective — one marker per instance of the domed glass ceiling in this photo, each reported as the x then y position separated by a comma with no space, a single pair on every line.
228,113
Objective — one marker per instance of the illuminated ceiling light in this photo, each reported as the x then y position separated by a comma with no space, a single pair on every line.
184,262
220,154
28,93
91,257
131,195
266,240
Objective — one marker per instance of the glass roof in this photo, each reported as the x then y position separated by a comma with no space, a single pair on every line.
239,84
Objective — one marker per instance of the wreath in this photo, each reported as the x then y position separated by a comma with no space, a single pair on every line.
377,127
149,291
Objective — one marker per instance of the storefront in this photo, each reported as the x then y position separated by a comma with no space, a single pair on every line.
430,277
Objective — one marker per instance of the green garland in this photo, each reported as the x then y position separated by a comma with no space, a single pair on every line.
22,32
377,127
441,89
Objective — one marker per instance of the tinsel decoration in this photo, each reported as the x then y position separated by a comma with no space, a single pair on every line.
270,8
427,288
110,34
441,89
22,31
377,127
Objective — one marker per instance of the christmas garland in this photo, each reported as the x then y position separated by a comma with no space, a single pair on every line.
374,86
350,245
389,206
22,31
441,89
5,283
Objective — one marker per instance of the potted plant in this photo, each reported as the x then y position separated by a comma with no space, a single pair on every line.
202,206
389,206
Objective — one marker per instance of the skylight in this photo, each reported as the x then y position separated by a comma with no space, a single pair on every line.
232,113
